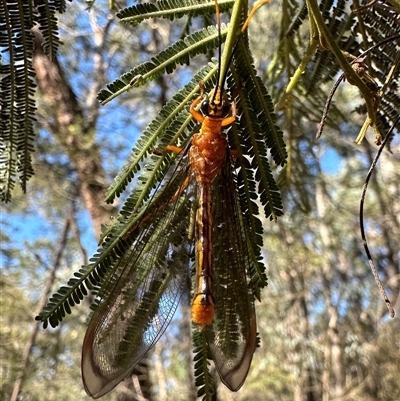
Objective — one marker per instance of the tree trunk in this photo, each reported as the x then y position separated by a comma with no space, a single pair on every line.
65,120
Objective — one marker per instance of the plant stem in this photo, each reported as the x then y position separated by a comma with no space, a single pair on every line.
231,38
329,41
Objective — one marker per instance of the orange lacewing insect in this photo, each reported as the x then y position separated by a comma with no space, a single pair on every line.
140,295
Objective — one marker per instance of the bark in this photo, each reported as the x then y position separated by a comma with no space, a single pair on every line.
65,120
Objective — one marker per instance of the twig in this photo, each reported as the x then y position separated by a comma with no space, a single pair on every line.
363,237
27,350
327,105
333,90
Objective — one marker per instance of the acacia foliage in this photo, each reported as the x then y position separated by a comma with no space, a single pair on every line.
322,324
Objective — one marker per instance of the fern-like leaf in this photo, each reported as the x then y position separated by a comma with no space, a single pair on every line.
173,125
259,132
117,245
203,378
49,27
170,10
180,52
17,103
297,20
262,104
380,24
246,187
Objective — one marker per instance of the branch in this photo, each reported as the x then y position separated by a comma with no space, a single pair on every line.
363,237
328,41
46,292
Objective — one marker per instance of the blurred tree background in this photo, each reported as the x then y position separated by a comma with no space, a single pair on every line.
325,331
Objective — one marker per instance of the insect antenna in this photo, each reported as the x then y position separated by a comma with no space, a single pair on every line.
218,14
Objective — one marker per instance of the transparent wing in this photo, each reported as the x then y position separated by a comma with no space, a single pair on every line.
138,300
232,337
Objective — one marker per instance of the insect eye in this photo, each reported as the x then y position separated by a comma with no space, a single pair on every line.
205,104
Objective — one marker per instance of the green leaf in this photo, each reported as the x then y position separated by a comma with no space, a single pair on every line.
170,10
173,125
180,52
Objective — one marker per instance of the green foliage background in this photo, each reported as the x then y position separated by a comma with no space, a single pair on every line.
324,330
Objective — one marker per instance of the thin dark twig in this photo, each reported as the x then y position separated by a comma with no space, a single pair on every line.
31,341
327,105
333,90
363,237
